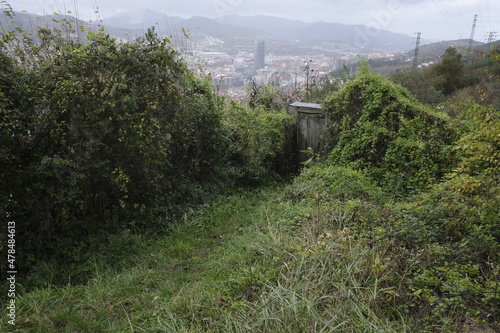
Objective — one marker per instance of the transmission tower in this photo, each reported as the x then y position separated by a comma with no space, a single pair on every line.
417,45
472,33
491,37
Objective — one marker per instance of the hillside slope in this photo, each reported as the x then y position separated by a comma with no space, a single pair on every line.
322,254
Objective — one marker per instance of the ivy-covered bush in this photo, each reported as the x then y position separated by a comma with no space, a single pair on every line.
479,147
335,183
453,232
262,142
378,127
113,136
437,253
10,127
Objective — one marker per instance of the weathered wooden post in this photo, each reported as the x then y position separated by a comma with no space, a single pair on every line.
311,123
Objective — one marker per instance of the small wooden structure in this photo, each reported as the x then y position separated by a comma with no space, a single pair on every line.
311,123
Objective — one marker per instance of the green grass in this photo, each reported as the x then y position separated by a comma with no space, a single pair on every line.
293,258
234,267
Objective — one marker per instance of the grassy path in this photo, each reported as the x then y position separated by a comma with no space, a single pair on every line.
165,277
242,264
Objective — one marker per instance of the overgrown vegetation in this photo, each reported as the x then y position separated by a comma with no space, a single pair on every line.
263,141
100,137
456,77
110,136
113,161
378,127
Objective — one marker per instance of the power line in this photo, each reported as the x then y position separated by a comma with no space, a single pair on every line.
489,12
447,16
459,11
479,11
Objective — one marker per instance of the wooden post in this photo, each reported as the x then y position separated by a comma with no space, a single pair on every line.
311,123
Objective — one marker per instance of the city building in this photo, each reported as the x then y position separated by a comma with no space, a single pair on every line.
259,54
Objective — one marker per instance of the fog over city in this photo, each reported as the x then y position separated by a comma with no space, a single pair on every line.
435,19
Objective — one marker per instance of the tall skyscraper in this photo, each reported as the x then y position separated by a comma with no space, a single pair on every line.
259,54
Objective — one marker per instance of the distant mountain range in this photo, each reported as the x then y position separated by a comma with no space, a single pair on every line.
356,35
275,28
30,22
238,32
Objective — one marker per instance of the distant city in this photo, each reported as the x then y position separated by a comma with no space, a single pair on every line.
231,75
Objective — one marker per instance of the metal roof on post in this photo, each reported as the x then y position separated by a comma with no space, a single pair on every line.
307,107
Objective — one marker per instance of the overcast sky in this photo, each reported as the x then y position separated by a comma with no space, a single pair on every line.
435,19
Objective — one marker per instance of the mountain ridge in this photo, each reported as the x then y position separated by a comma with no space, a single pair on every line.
259,26
242,30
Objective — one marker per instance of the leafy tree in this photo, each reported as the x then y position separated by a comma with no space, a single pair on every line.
420,85
268,97
321,88
449,73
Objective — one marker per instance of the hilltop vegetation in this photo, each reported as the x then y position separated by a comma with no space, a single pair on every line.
101,137
380,128
145,202
457,76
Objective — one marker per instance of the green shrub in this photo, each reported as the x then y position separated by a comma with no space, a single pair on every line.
332,182
11,129
262,142
378,127
448,237
115,136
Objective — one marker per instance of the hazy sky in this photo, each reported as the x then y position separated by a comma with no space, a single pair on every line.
435,19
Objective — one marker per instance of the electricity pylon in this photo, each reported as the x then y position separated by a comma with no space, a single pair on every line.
469,47
415,56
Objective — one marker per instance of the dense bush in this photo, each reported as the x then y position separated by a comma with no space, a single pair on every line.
452,232
378,127
115,136
262,142
10,126
112,136
440,248
332,182
435,255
